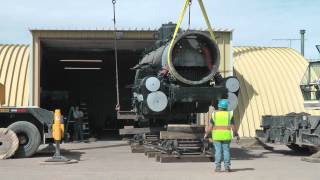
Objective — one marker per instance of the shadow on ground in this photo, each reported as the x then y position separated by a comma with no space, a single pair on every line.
73,153
70,154
102,147
244,154
242,169
288,153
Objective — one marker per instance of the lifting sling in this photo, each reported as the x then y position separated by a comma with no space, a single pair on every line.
182,13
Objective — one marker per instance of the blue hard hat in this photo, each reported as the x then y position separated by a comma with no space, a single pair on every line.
223,104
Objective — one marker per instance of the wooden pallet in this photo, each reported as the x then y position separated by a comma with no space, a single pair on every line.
136,148
152,154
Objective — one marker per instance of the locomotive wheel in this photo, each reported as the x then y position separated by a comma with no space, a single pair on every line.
9,143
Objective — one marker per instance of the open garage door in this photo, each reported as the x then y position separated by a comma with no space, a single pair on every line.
82,72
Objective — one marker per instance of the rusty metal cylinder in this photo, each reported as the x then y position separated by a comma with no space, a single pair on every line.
195,58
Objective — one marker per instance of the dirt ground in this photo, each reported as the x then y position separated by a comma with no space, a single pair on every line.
113,160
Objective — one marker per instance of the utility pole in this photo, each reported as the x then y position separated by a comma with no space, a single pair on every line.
302,32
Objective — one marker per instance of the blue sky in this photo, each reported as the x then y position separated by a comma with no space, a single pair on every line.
255,22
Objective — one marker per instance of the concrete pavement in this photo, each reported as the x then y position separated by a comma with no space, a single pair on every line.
113,160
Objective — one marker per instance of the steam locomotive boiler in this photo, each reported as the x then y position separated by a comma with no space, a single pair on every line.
187,84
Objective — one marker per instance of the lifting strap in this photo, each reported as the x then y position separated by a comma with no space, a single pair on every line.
182,13
116,54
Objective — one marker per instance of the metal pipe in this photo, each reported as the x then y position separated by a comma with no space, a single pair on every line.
302,32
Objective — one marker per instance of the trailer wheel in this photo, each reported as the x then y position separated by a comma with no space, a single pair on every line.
298,148
29,138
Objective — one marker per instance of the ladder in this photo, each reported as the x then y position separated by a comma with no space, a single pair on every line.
85,120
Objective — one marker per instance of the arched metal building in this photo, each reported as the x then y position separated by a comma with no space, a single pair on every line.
14,74
270,79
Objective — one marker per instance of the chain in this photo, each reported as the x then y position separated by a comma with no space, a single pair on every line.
116,53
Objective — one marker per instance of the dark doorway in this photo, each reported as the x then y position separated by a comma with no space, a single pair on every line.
72,76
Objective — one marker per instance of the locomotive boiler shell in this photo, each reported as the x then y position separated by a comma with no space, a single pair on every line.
195,58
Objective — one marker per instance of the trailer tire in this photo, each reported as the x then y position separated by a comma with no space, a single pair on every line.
298,148
29,138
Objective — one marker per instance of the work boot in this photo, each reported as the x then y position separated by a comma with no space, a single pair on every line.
227,169
218,169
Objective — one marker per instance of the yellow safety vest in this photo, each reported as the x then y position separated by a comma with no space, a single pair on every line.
222,126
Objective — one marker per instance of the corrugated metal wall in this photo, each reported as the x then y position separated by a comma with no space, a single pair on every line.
269,79
14,74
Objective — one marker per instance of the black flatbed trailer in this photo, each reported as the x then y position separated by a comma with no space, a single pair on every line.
32,126
299,131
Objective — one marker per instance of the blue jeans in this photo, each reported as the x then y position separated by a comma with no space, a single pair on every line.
78,131
219,146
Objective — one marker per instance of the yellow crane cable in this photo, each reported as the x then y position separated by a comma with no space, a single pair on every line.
204,13
182,13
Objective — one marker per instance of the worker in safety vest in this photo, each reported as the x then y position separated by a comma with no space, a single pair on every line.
220,126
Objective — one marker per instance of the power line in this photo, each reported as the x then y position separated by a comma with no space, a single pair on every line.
290,40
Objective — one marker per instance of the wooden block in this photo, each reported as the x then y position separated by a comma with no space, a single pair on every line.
180,135
150,151
137,149
186,128
127,115
147,149
157,157
153,154
134,131
128,127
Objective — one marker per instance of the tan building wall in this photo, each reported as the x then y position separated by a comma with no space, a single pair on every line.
14,74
